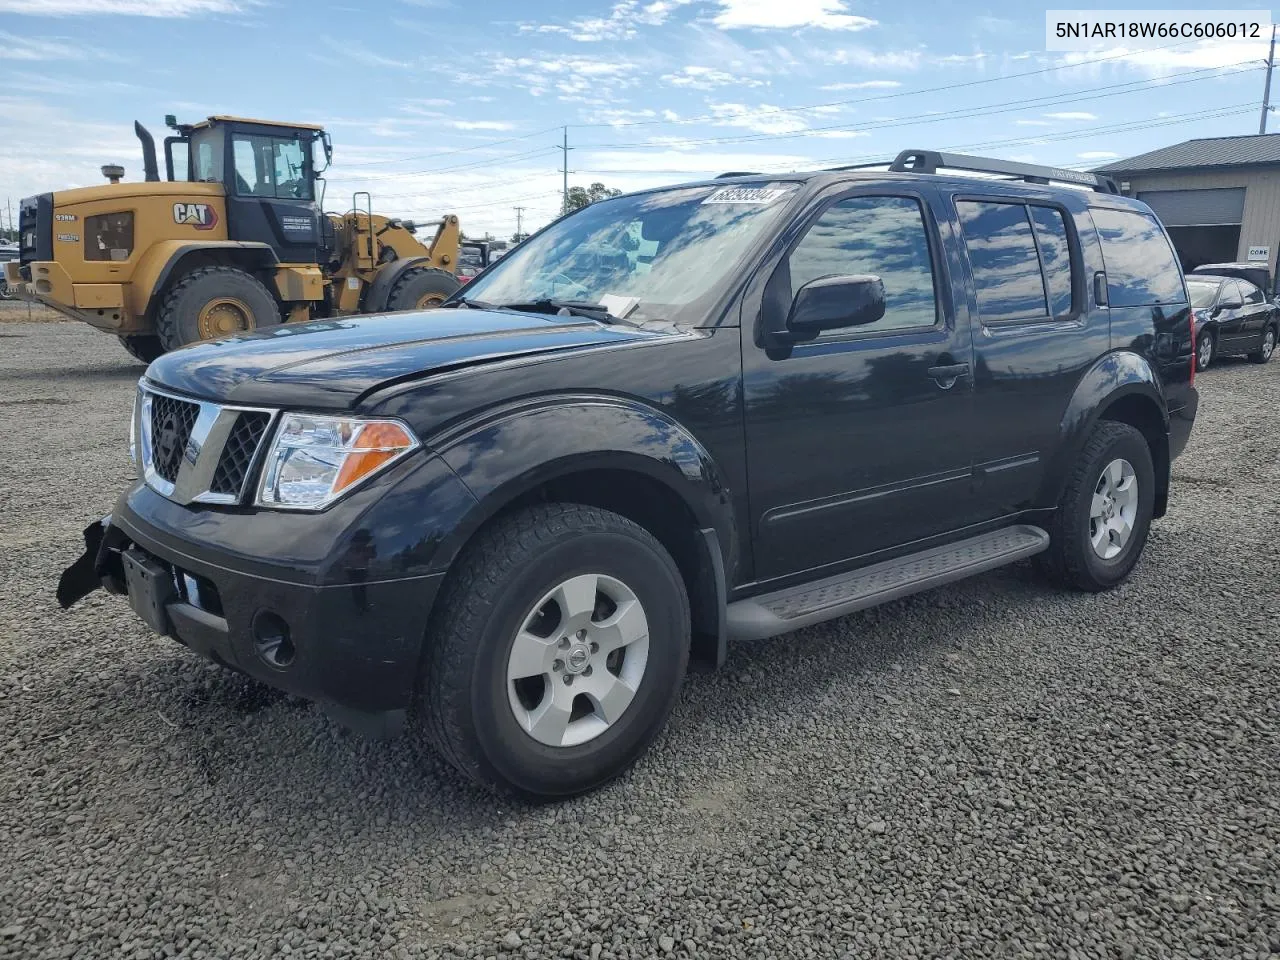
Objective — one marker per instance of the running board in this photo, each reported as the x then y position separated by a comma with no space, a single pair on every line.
795,607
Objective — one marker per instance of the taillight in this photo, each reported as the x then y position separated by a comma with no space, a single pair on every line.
1191,319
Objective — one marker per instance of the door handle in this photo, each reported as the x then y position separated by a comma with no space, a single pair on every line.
947,374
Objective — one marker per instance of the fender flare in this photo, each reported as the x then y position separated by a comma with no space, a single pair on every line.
1114,376
574,434
157,265
375,299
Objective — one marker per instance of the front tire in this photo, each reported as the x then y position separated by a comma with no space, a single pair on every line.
1100,527
1206,344
557,652
214,302
1266,348
422,288
142,347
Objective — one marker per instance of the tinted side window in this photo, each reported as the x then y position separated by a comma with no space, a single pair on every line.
884,236
1252,295
1141,268
1002,252
1055,254
1231,294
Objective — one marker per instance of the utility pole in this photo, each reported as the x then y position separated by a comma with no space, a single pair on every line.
564,196
1266,91
519,220
8,204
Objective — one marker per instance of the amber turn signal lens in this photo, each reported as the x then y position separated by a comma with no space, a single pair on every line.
374,446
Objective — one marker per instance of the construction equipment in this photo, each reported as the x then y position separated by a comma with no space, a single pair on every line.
239,242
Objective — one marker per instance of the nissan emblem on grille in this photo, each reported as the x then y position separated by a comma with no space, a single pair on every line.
169,447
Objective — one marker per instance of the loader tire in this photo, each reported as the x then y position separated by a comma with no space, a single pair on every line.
214,302
422,288
144,347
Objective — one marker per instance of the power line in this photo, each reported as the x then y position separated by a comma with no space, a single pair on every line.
462,166
962,113
478,146
946,88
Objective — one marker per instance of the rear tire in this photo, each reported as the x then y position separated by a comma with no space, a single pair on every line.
422,288
1206,345
144,347
1267,347
493,694
1090,519
214,302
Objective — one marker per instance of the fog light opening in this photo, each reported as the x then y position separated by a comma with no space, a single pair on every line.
271,640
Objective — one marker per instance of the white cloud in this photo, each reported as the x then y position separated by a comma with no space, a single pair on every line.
785,14
708,78
480,125
14,47
1032,123
616,116
129,8
873,59
620,24
1098,155
862,85
575,79
840,134
762,119
1072,115
1160,62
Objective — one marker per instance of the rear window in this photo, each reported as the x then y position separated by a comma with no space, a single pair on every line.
1202,294
1141,268
1021,259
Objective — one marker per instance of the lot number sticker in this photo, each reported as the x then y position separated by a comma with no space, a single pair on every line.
758,195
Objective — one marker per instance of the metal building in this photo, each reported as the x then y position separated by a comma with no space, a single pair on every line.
1219,197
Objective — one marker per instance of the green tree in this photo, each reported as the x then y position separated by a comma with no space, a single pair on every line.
580,197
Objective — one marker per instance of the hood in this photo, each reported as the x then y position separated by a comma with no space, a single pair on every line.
331,364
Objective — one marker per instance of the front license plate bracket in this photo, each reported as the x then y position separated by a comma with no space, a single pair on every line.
150,586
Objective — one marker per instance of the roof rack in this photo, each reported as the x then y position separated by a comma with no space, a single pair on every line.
930,161
737,173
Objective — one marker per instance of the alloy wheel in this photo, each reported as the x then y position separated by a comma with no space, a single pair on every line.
578,660
1113,509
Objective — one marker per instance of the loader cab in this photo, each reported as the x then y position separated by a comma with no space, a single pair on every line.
269,171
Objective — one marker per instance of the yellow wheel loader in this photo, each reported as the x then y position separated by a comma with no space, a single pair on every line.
237,243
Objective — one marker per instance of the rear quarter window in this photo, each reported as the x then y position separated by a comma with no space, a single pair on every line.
1141,267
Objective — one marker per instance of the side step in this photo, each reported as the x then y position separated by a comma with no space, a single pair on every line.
795,607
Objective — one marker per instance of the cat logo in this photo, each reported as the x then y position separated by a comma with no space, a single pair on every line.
199,215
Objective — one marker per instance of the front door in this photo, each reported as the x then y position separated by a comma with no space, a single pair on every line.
859,440
1256,314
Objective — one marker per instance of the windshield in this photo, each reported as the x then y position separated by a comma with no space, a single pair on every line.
650,256
1202,294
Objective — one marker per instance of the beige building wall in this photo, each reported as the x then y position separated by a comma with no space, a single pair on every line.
1261,226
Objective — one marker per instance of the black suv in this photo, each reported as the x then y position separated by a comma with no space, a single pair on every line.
687,415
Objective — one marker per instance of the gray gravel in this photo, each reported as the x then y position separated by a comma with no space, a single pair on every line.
994,769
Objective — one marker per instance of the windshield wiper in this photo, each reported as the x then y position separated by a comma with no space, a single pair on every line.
574,308
470,304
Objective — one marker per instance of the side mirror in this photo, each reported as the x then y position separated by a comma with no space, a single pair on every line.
836,302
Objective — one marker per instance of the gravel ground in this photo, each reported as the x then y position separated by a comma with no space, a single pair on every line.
992,769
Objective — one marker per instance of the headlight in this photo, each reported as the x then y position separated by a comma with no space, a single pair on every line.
315,460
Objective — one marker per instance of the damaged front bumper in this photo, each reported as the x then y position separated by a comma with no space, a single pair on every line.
354,648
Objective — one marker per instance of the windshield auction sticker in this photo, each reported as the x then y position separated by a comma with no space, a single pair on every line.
758,195
1147,29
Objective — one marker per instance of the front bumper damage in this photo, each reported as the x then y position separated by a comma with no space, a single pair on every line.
353,649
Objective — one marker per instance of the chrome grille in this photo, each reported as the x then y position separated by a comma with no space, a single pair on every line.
238,453
193,451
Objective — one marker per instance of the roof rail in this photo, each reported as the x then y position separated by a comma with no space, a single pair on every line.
857,166
930,161
737,173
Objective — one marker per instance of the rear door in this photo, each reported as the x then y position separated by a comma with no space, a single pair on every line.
859,440
1038,332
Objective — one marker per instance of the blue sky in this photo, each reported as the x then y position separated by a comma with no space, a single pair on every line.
454,105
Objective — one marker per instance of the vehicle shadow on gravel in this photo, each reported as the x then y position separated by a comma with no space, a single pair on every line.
88,372
230,735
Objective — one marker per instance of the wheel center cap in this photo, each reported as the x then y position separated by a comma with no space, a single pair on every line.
577,658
